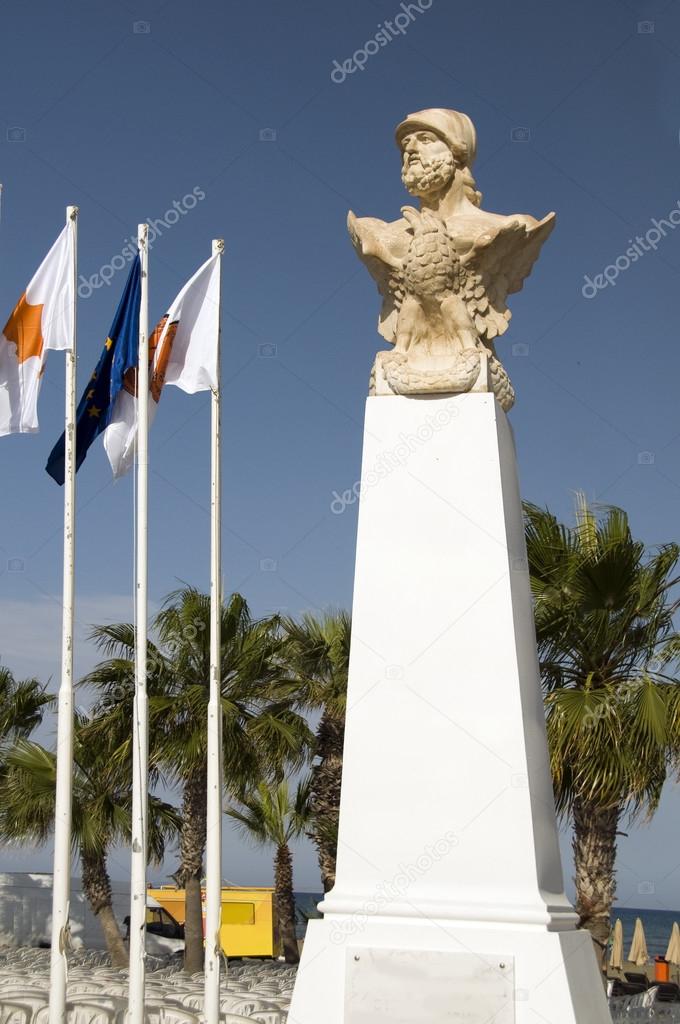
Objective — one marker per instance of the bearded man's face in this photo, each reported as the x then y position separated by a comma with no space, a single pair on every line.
427,163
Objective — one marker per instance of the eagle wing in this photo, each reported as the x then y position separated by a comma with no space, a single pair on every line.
382,248
496,266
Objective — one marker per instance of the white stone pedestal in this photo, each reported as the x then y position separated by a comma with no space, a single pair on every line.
449,902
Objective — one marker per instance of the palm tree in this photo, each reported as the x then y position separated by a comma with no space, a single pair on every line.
317,654
21,705
261,730
267,815
608,651
101,814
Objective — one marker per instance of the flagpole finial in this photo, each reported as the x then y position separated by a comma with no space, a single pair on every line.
217,246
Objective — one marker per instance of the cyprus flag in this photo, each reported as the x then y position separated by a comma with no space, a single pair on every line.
41,320
182,351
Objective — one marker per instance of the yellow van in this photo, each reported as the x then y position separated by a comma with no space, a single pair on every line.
248,921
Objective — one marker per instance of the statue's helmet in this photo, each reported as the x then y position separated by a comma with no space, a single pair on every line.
456,129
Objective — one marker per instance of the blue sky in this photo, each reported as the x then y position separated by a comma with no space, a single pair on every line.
127,107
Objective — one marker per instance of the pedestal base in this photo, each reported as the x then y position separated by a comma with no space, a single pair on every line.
448,861
421,972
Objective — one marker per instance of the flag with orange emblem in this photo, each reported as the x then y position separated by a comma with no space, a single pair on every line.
182,351
41,320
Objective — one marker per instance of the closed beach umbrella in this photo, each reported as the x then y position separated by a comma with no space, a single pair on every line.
673,951
616,956
638,949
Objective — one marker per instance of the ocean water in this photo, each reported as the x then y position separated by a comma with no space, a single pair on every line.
305,904
657,923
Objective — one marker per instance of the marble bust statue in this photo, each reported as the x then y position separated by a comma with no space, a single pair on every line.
446,268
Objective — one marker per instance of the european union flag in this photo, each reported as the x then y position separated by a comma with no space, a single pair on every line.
119,355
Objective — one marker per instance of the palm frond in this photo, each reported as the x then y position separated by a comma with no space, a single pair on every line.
609,656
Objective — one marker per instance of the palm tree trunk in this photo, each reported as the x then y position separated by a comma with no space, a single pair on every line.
191,849
594,846
326,784
97,886
285,903
193,925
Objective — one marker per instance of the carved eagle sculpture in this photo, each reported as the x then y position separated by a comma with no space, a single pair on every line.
444,286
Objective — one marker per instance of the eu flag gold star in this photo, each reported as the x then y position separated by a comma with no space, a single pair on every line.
90,393
94,411
109,343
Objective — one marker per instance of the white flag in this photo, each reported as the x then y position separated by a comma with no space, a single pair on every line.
41,320
182,351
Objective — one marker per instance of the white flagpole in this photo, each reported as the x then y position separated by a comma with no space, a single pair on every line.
140,726
61,885
213,894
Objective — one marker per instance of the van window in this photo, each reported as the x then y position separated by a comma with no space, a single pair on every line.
160,922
